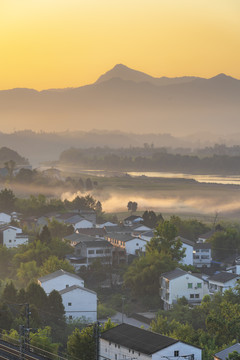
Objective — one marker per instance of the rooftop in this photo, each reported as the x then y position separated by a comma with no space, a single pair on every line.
174,274
57,274
185,241
137,339
74,287
223,355
223,276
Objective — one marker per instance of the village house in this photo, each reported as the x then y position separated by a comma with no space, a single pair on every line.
126,242
93,249
223,355
78,301
59,280
5,218
178,283
202,255
11,236
129,342
132,220
188,245
222,281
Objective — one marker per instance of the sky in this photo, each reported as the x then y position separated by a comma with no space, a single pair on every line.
68,43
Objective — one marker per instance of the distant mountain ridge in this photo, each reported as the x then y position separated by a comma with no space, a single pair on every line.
128,100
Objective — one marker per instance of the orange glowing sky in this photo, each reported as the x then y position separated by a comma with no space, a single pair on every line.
65,43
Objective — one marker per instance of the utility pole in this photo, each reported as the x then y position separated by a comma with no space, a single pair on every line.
97,337
123,298
28,313
22,341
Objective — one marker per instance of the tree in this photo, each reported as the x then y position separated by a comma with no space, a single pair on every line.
55,304
10,166
162,254
36,295
9,293
89,185
53,264
81,344
132,206
45,235
27,272
7,200
42,340
151,219
59,229
235,355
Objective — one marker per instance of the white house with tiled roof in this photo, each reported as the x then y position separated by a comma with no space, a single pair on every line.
178,283
5,218
11,236
223,355
79,302
222,281
188,245
59,280
129,342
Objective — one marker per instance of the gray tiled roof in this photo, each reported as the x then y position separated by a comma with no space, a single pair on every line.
74,287
95,243
137,339
224,353
185,241
223,276
170,275
56,274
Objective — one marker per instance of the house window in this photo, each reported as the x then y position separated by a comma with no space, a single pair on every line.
99,251
115,356
70,317
67,285
109,343
10,241
199,285
176,353
189,285
90,251
191,296
137,244
197,296
119,346
69,304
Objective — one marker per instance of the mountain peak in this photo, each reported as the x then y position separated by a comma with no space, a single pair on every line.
222,76
125,73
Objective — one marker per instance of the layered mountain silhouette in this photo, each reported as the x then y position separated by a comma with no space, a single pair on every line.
130,101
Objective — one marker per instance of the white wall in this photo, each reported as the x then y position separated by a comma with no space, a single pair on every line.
188,259
61,282
135,244
184,349
179,288
4,218
80,303
114,351
110,351
10,239
215,286
83,224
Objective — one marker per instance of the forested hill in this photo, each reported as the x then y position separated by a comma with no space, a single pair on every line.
7,154
157,160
